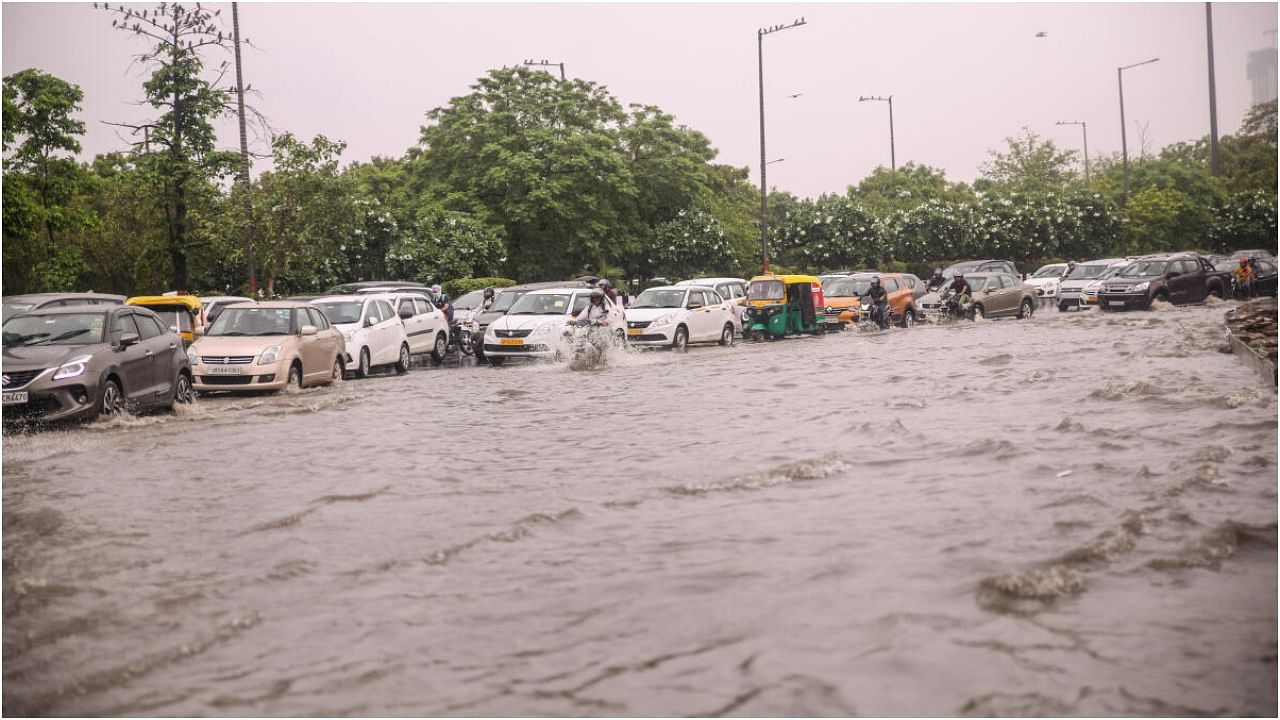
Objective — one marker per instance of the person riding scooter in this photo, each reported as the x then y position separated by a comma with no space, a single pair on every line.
958,295
595,313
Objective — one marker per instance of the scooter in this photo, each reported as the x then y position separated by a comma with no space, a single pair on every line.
588,345
878,313
461,336
951,309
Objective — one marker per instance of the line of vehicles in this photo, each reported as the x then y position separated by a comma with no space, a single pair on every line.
74,355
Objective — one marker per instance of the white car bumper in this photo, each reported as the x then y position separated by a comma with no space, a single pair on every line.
648,335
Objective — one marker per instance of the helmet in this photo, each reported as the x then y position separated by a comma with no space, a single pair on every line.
959,275
1244,261
435,289
604,283
875,280
488,292
937,271
597,295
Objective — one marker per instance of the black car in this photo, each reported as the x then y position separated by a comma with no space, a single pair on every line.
79,362
1265,281
1178,278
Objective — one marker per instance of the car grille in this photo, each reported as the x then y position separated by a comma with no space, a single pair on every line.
226,379
1123,289
489,347
649,337
512,333
637,325
226,359
15,380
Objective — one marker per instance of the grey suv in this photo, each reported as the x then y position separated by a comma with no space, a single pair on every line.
1179,279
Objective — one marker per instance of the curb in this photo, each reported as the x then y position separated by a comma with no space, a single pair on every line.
1265,368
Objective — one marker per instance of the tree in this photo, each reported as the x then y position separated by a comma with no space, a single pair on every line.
886,191
188,104
692,244
1247,221
1029,164
445,245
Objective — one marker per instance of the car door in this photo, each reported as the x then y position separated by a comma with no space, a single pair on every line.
415,329
136,368
330,340
162,344
373,325
388,348
997,300
432,321
1197,282
310,347
695,303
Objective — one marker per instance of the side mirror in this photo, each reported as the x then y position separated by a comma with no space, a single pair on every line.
128,339
406,314
308,330
370,321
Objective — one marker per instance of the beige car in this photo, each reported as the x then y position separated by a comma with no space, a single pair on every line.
1001,295
267,346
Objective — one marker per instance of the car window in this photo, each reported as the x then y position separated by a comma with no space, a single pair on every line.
1265,267
421,306
890,285
715,298
1190,266
580,302
406,305
387,312
314,317
148,328
123,326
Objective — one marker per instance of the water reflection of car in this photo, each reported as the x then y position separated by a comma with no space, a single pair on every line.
14,304
1072,289
267,346
533,324
675,316
373,334
994,295
76,362
506,297
1176,278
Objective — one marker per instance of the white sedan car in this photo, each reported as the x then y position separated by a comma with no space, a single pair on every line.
676,315
733,290
425,325
535,324
372,329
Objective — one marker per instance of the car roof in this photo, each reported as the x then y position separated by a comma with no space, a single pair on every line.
80,309
272,304
340,287
710,281
349,297
42,297
681,288
552,291
550,284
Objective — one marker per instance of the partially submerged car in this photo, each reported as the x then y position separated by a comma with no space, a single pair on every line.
994,295
267,346
1178,278
506,297
1071,291
843,298
534,323
674,316
1048,278
372,331
83,361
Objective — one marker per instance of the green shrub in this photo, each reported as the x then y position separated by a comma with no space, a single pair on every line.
462,286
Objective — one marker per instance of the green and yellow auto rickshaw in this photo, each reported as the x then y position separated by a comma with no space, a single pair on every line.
182,313
781,305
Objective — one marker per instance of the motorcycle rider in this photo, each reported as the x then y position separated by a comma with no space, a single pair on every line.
442,301
879,300
595,314
607,287
959,293
487,301
937,281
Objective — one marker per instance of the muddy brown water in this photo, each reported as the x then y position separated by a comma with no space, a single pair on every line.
1071,515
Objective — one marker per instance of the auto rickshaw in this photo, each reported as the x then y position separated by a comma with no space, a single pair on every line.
182,313
780,305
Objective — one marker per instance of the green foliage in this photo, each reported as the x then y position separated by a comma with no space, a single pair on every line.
1246,222
692,244
446,244
1029,164
462,286
885,191
832,232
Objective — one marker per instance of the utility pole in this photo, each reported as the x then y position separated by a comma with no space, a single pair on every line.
244,156
548,64
1085,128
1214,158
1124,146
764,187
893,156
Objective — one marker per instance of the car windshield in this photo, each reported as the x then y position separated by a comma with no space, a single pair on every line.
506,299
1143,268
1086,272
977,283
654,298
75,329
765,290
11,309
470,301
541,304
252,322
341,312
845,287
1049,271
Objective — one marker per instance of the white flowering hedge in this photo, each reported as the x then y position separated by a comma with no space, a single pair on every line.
446,244
1246,221
691,244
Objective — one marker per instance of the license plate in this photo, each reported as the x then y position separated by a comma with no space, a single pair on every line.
15,398
511,341
635,331
222,370
1116,303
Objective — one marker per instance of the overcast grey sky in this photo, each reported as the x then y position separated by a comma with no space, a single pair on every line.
963,76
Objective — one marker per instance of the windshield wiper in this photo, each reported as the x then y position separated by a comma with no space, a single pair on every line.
62,336
14,339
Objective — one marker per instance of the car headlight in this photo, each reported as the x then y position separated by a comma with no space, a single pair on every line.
193,356
74,367
1141,287
269,355
663,320
541,330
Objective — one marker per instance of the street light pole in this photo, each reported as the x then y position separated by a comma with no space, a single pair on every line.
244,156
764,187
544,63
1124,146
893,155
1085,128
1213,95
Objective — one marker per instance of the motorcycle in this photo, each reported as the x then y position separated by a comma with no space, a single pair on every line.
462,332
877,313
588,342
951,309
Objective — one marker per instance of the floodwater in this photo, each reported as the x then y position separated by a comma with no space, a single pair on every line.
1070,515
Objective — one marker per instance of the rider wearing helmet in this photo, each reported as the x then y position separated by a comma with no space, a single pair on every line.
878,299
487,300
937,281
607,287
960,287
596,312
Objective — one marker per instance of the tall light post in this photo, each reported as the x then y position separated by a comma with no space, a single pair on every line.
1124,145
244,157
1213,95
764,187
1085,128
544,63
893,159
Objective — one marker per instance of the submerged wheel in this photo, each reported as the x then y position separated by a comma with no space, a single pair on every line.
1026,310
438,350
976,312
295,376
681,341
908,318
727,335
112,401
182,391
362,370
339,370
402,364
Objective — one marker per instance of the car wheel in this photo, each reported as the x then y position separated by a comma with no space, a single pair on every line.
362,370
182,390
402,365
1062,307
976,313
621,337
727,335
681,341
908,318
438,350
295,376
757,336
339,370
111,403
1025,311
1215,292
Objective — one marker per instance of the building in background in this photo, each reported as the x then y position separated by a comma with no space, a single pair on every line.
1262,72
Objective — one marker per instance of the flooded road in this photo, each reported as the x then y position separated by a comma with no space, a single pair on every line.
1071,515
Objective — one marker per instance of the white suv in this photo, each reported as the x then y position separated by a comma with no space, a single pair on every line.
676,316
534,325
425,326
1073,290
374,333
